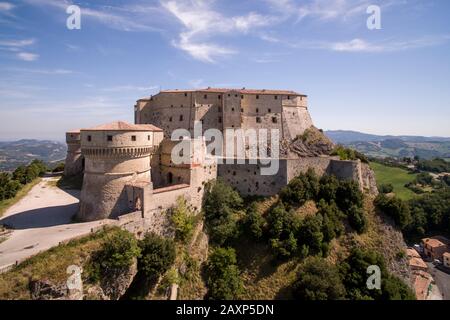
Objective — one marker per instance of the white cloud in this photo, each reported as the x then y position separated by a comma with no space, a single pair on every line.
17,43
27,56
201,22
6,6
46,71
126,18
361,45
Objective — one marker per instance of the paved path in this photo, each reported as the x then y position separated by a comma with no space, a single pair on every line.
40,221
442,280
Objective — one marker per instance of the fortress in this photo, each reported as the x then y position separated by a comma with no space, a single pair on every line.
129,168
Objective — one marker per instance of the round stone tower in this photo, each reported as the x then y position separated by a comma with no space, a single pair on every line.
74,159
115,155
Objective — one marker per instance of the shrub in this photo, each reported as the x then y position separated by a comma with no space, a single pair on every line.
223,281
354,274
332,225
183,220
283,227
348,194
158,255
254,222
300,189
222,207
59,167
118,251
395,208
348,154
386,188
357,219
310,234
318,280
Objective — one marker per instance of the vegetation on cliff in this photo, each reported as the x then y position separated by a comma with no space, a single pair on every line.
297,242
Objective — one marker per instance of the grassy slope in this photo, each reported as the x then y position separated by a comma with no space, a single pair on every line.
51,265
5,204
396,176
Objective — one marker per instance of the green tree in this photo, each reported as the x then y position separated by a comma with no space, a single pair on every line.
283,227
395,208
302,188
222,207
310,234
357,219
224,282
354,274
183,220
386,188
118,252
318,280
157,255
254,222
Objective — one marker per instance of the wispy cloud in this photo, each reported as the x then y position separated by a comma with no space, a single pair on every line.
361,45
27,56
125,18
17,43
201,22
6,7
19,46
44,71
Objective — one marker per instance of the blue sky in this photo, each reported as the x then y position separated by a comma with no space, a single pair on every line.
390,81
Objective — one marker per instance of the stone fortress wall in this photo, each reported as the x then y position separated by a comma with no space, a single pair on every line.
129,172
74,160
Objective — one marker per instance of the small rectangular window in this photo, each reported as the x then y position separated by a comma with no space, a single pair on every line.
258,119
242,96
109,138
148,138
220,119
219,97
276,97
274,119
257,110
89,138
133,138
185,94
257,96
205,96
269,110
181,118
170,119
232,109
289,97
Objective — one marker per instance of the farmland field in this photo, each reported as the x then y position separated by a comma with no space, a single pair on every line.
396,176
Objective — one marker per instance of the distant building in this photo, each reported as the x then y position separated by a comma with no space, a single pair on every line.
434,248
422,284
446,259
415,261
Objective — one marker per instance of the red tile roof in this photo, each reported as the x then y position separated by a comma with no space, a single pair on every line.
124,126
435,243
241,91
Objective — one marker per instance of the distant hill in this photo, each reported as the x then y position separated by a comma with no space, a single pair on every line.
393,146
15,153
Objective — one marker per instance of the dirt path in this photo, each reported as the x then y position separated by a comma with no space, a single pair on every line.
40,221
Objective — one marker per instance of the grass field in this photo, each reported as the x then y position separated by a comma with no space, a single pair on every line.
395,176
5,204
